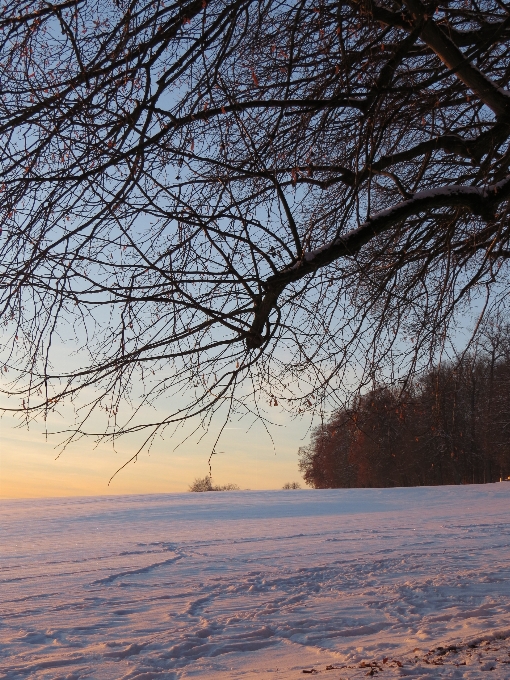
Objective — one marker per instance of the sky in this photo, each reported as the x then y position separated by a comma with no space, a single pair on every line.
29,467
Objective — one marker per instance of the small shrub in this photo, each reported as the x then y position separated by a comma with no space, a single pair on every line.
205,484
291,485
200,484
226,487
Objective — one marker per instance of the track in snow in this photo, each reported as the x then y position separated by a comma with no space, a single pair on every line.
258,585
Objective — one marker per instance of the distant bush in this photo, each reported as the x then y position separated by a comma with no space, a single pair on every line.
199,484
205,484
226,487
291,485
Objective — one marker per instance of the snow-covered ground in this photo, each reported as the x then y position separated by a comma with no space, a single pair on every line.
262,585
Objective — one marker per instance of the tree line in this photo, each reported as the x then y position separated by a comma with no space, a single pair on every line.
450,426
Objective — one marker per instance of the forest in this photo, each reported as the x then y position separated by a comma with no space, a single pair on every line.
449,426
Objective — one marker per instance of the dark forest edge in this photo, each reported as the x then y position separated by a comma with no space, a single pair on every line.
449,426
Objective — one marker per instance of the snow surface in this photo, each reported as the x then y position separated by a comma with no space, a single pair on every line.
262,585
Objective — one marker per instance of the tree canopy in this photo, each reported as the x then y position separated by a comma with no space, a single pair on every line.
450,426
246,198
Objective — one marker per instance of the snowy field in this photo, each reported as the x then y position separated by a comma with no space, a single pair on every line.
262,585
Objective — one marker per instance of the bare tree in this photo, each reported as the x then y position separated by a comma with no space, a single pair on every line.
246,197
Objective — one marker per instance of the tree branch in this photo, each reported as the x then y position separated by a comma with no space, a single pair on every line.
492,95
480,201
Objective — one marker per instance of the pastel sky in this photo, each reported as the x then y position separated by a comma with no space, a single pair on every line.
29,468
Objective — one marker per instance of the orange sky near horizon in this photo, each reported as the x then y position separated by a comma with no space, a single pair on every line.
29,467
